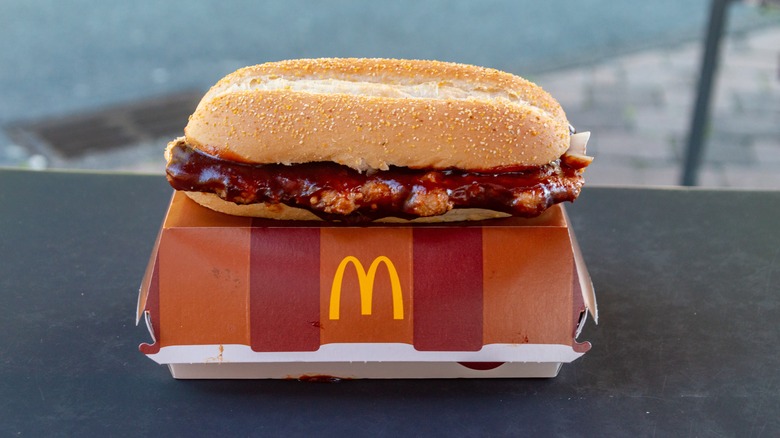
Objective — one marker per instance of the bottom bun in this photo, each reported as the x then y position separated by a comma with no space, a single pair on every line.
286,213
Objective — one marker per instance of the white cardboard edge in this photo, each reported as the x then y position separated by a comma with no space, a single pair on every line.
330,371
148,319
364,353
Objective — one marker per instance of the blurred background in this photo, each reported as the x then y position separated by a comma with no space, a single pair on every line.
104,85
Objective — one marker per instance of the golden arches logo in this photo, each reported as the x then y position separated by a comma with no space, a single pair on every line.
366,283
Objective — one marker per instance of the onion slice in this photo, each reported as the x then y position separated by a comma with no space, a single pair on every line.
576,156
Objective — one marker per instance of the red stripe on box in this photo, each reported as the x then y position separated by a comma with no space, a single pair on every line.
285,289
447,266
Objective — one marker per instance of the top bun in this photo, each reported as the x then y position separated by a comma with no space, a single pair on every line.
375,113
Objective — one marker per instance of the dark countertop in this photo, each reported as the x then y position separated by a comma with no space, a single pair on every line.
688,283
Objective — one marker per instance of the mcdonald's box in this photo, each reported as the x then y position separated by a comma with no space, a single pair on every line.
234,297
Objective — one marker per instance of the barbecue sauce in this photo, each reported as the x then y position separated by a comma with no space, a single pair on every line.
336,192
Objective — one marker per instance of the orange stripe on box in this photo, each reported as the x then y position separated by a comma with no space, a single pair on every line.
359,267
204,281
527,280
448,289
285,288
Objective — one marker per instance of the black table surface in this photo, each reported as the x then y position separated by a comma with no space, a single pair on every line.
688,342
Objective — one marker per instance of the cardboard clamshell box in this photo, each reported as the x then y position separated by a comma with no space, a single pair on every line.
234,297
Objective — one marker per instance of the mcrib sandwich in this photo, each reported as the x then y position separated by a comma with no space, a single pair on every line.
366,139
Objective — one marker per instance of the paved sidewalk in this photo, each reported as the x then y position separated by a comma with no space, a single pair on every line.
639,107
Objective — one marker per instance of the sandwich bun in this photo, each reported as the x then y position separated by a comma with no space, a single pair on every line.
375,113
348,139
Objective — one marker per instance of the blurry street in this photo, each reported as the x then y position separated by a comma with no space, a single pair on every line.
627,71
639,108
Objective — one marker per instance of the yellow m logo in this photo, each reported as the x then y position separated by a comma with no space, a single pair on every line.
366,282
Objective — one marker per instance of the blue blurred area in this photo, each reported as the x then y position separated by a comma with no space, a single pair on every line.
64,56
